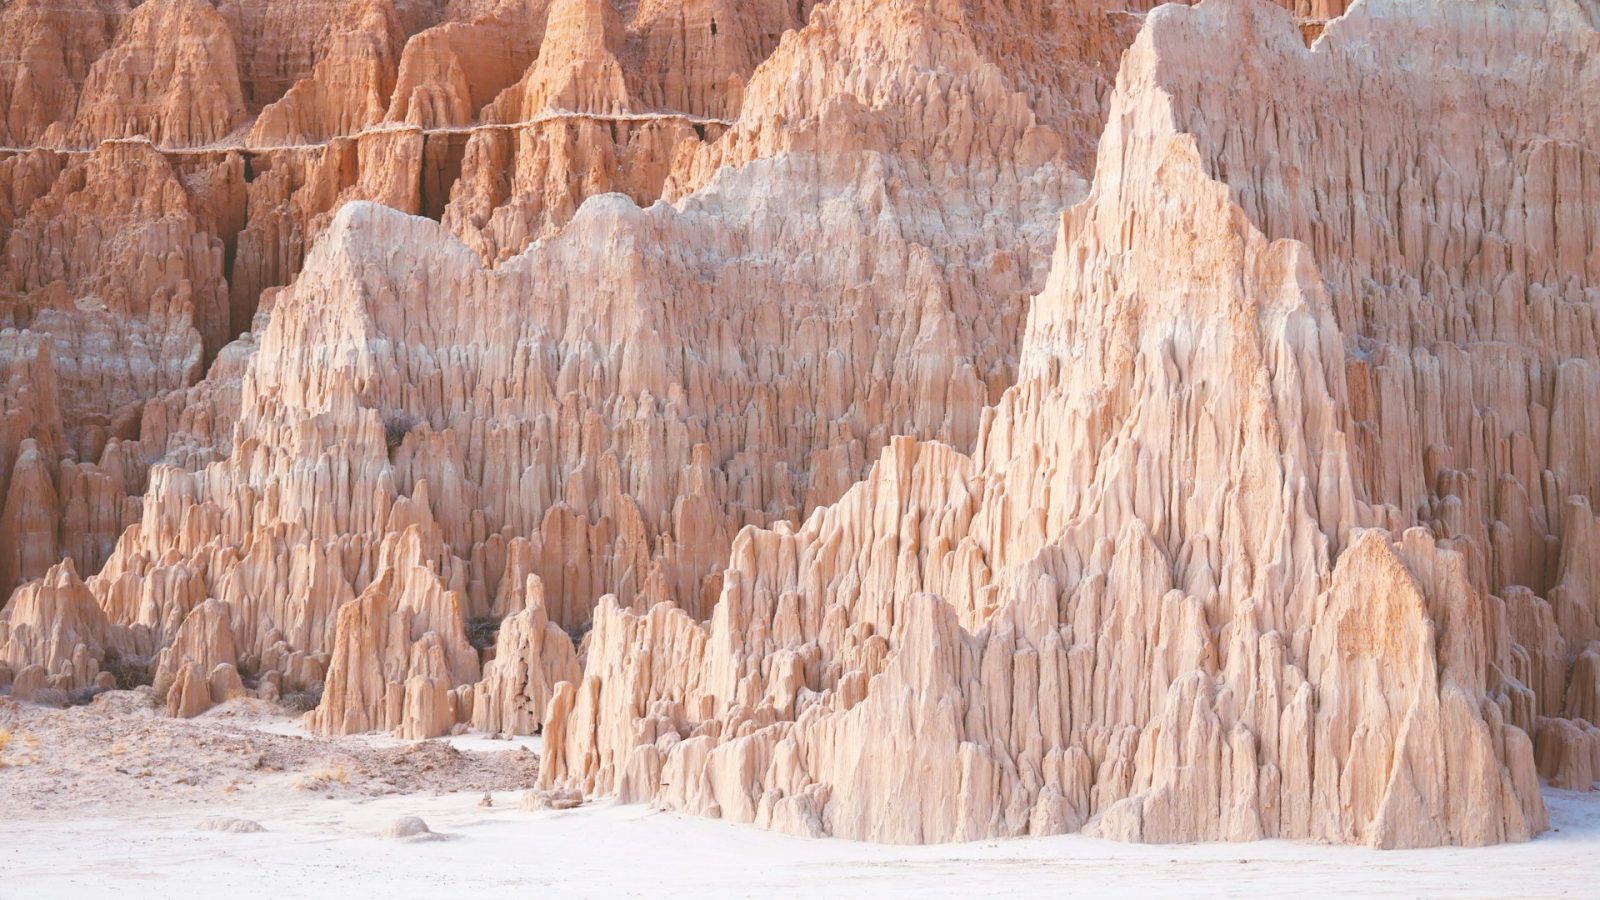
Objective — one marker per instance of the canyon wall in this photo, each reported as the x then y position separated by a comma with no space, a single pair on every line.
953,418
1285,529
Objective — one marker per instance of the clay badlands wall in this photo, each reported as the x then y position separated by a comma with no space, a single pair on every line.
910,420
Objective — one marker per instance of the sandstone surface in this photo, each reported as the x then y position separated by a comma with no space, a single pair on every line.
905,420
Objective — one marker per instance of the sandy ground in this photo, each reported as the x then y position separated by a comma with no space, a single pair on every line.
119,756
83,820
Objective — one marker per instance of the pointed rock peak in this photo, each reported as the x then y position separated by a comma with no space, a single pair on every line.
171,76
577,69
63,576
55,623
578,28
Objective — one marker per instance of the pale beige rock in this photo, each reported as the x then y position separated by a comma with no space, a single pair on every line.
398,650
29,681
531,655
204,640
55,624
536,800
1583,686
408,828
228,825
1568,750
1170,499
224,683
1277,516
193,689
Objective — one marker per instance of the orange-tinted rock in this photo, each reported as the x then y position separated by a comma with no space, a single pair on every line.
346,92
697,55
281,43
1269,516
47,48
1189,491
115,265
28,520
576,69
171,76
190,693
448,73
205,639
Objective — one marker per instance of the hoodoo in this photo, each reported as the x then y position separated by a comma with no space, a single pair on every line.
910,421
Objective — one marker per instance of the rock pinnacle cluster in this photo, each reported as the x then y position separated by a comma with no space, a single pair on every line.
903,420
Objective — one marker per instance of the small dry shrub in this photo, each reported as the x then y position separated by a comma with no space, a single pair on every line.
322,779
483,632
50,697
578,632
303,701
396,425
129,671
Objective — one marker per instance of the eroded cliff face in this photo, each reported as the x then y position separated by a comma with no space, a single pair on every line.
670,374
1273,537
388,347
167,166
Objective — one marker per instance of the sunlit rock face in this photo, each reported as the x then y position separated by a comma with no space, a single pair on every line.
1275,535
907,420
553,393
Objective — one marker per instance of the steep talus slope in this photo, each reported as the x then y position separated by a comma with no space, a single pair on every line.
1250,550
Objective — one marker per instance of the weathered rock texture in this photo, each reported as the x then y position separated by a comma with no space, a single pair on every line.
644,405
1257,545
391,347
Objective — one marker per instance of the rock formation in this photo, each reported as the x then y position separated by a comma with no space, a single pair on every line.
531,656
170,77
55,625
664,376
1196,581
616,468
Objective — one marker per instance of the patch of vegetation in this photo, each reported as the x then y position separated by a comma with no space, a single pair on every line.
482,632
322,779
129,671
84,696
49,696
303,701
396,425
61,699
579,632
